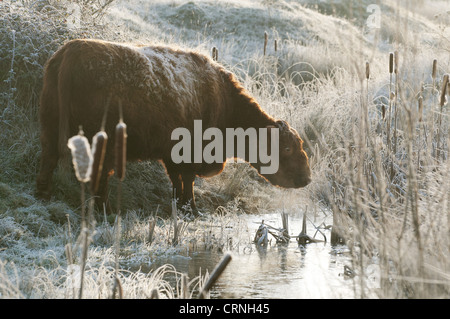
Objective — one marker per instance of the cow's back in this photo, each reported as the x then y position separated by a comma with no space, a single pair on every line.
159,89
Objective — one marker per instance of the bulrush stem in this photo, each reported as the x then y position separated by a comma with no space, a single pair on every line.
82,162
433,72
366,106
85,235
443,101
120,157
395,112
98,152
419,116
120,148
391,62
391,69
367,70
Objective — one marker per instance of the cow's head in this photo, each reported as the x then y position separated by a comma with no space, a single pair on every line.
293,170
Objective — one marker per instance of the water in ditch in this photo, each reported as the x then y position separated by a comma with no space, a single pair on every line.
316,270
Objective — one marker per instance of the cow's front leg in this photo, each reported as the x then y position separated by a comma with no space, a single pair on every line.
177,182
188,191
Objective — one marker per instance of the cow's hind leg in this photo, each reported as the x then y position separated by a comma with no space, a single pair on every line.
49,160
177,182
49,144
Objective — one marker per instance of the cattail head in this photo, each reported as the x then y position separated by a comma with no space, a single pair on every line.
395,62
275,44
120,149
367,70
420,108
81,156
98,153
433,72
445,81
392,97
391,62
215,53
266,36
383,111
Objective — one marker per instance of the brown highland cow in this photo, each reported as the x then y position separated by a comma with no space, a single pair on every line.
160,89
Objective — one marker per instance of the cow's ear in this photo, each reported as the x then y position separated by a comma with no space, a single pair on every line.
282,125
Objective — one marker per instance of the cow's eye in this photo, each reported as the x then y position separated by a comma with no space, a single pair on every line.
287,149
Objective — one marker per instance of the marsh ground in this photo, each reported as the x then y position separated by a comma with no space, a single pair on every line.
382,172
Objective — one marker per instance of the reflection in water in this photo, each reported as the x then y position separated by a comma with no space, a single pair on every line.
277,271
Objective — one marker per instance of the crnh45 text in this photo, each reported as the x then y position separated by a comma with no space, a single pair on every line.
229,308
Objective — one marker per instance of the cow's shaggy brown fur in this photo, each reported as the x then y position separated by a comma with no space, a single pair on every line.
160,89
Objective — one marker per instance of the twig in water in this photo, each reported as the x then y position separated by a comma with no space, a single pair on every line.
285,231
261,236
303,238
214,276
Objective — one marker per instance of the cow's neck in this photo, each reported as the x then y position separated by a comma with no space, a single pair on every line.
248,113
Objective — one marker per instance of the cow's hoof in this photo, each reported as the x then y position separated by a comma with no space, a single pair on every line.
44,195
190,213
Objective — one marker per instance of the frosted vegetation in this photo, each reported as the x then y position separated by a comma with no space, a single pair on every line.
380,162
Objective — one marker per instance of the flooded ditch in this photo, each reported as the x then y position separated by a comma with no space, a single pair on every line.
284,271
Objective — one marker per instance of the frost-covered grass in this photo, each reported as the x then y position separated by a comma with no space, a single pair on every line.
392,203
